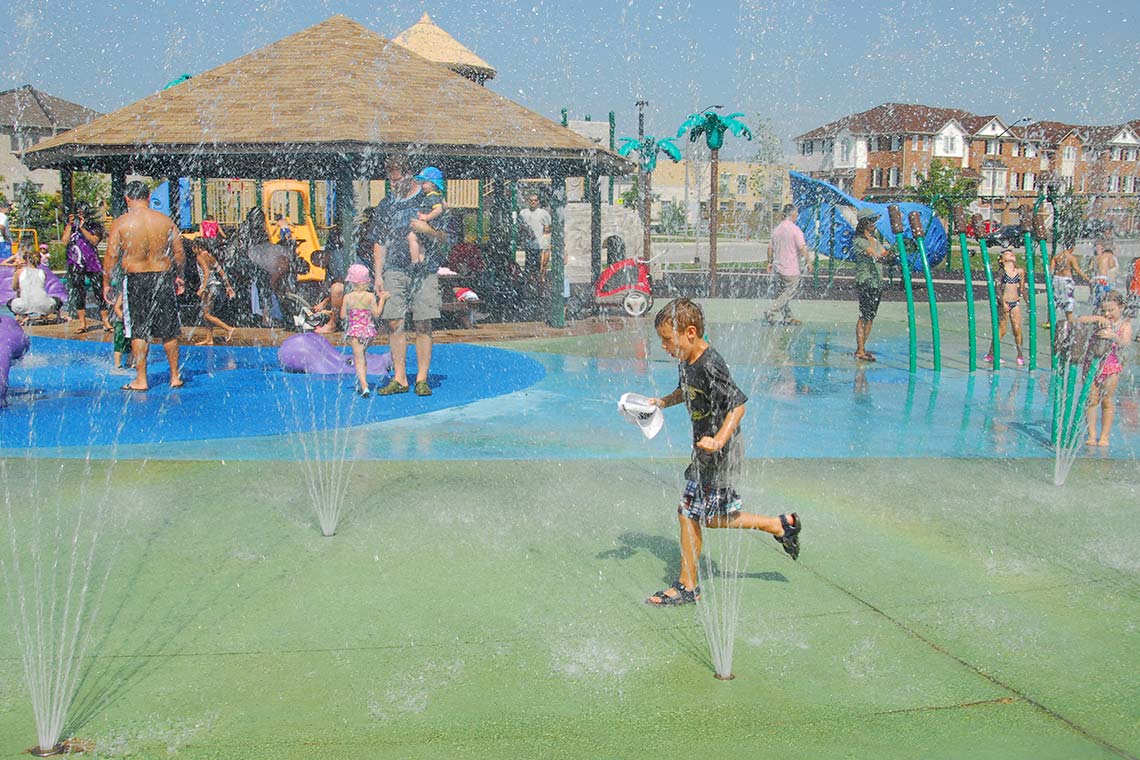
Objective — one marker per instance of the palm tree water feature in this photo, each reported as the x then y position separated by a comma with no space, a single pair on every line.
712,126
1077,361
647,148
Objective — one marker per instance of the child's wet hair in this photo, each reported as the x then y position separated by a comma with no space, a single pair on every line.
681,313
1115,296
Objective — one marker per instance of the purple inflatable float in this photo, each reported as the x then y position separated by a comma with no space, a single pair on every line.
313,354
13,345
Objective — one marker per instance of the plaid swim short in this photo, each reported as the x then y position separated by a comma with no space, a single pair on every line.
703,503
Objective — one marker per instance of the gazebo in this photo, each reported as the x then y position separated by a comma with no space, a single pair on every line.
331,102
427,40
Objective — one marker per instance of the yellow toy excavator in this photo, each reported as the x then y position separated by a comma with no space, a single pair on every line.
288,215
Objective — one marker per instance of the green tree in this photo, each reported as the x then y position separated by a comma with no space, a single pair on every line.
1072,212
943,187
91,189
769,150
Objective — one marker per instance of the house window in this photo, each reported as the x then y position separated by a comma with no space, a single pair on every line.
723,206
1070,153
807,147
741,208
845,150
893,178
951,144
914,176
1116,154
724,183
1114,184
1131,154
827,145
742,184
992,148
1029,181
1014,181
1015,149
914,142
1030,150
877,178
896,143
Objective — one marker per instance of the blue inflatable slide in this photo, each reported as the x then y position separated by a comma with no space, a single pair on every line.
827,217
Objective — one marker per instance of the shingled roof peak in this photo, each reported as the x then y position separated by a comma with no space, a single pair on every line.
427,39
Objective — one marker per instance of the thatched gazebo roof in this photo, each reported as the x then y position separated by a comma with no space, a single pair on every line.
427,40
335,97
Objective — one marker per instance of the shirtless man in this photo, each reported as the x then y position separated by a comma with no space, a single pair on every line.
1064,266
1105,266
146,244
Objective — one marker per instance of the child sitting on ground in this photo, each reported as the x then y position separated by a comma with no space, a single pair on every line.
1115,327
359,310
431,208
716,406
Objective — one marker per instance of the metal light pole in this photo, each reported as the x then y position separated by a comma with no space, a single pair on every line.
643,180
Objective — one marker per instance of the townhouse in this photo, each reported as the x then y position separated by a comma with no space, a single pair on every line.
875,154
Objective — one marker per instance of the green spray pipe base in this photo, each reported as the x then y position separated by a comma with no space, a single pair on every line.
905,264
1031,292
994,319
971,321
935,337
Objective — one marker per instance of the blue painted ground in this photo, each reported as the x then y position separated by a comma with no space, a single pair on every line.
63,395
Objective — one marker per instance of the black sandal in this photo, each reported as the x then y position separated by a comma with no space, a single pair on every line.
791,538
683,596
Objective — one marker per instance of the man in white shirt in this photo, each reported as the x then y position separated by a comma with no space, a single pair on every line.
785,250
534,236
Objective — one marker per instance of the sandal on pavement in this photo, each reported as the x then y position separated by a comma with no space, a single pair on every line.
791,538
683,596
422,388
391,389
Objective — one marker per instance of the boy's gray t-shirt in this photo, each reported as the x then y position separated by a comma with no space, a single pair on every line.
710,394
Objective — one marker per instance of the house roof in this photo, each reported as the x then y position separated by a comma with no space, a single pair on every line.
1048,132
28,107
333,94
898,118
427,40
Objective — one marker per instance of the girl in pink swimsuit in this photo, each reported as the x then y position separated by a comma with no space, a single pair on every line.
1115,327
359,310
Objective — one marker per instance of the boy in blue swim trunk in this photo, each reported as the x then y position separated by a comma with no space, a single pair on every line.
716,407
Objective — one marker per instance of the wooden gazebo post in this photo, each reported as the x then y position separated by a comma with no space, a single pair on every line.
118,188
557,316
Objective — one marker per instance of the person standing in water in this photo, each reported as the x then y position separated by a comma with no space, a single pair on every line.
148,247
1011,292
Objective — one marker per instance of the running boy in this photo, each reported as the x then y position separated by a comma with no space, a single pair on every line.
431,208
716,406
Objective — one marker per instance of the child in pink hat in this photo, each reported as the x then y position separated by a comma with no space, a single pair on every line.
359,310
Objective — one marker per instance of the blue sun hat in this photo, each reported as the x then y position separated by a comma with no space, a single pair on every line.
433,175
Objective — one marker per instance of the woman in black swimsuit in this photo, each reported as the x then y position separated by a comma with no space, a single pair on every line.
1011,292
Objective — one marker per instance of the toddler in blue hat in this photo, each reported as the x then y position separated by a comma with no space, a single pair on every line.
431,208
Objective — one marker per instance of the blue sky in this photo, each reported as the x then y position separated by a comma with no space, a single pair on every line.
798,63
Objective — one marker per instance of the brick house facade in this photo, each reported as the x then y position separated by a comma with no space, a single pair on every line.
877,153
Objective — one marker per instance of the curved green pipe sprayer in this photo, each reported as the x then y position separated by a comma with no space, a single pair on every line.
1030,283
1047,275
1074,413
920,239
991,291
897,228
967,277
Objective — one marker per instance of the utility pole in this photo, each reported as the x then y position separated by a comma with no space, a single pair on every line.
643,178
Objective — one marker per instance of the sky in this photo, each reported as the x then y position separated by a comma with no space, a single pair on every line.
793,64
